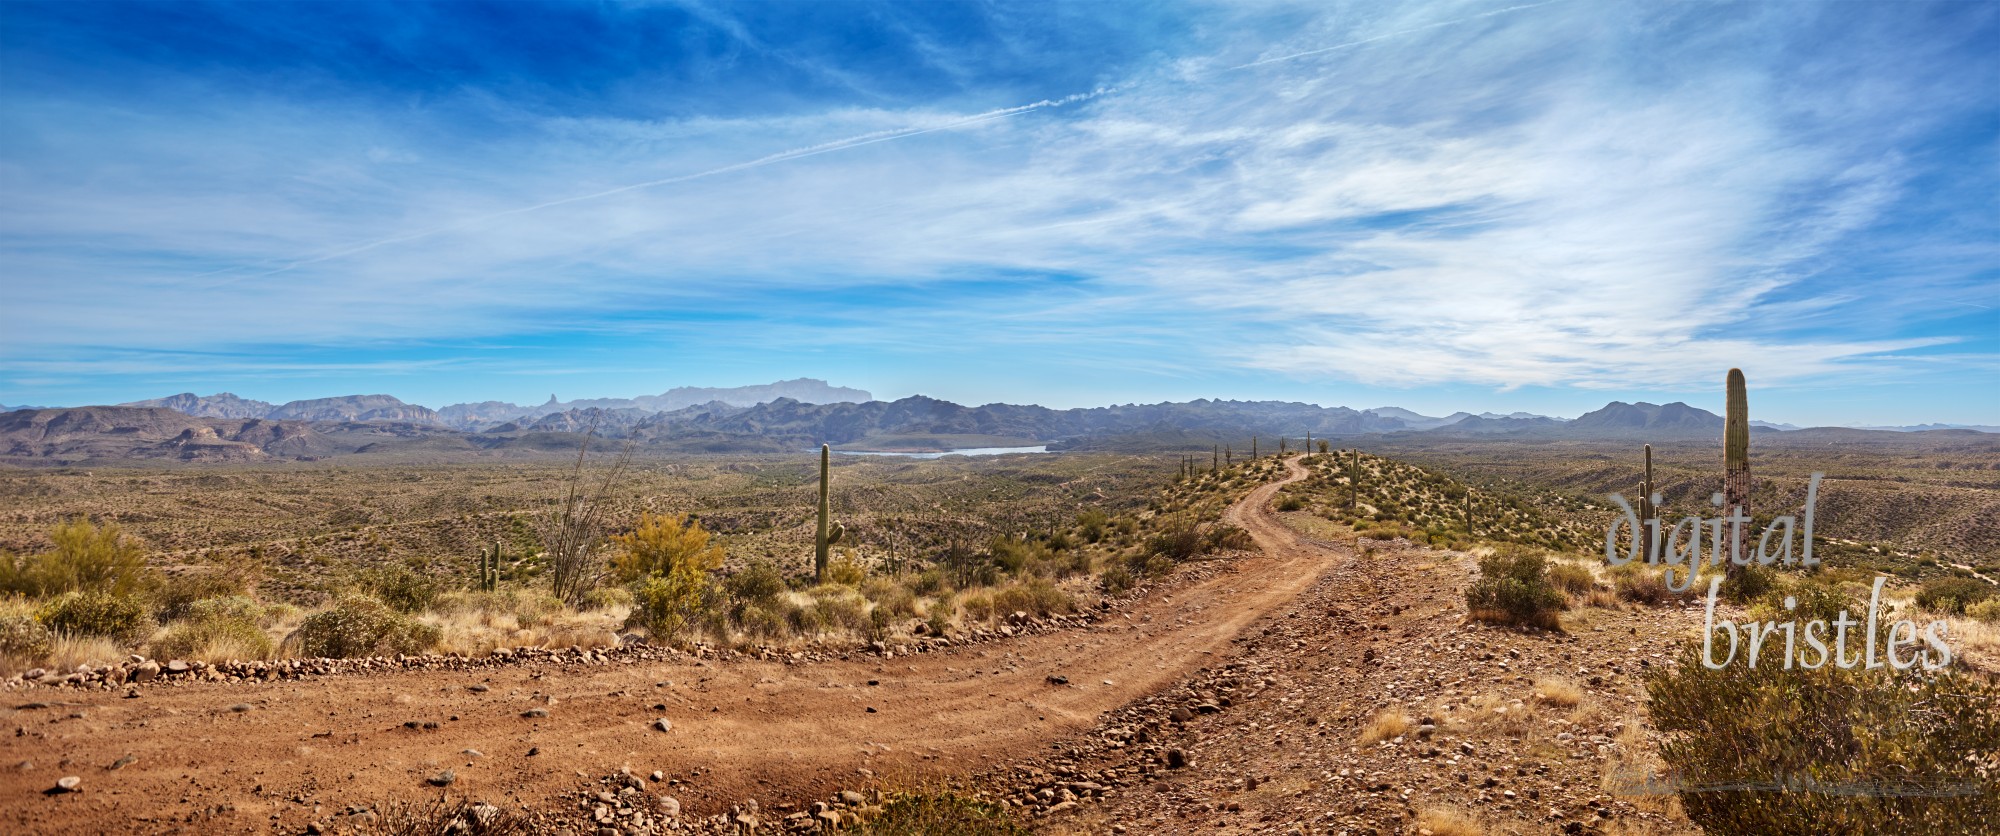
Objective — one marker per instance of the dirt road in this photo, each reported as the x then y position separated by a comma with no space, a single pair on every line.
305,750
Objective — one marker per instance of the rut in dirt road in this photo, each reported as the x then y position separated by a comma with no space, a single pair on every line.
297,751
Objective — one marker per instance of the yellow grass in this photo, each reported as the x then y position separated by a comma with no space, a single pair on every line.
1448,821
1555,691
1385,725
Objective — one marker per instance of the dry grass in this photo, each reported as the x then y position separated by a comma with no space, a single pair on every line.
66,651
1499,715
1976,642
1559,692
1385,725
1448,821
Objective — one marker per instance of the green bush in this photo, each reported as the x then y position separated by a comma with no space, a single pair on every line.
1092,525
1571,578
177,593
1513,588
1178,541
759,583
1987,611
84,557
1747,583
1226,537
1640,583
1036,597
1115,580
23,638
1291,503
361,626
1767,750
666,604
94,613
892,599
1953,595
405,587
217,628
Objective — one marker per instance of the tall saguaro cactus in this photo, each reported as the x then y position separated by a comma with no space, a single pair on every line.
829,531
489,569
1646,510
1736,461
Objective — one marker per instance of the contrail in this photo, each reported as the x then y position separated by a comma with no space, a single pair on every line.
822,148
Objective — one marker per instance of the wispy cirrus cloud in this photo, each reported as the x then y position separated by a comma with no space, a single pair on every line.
1499,195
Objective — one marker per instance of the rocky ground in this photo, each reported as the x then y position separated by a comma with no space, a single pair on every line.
1247,695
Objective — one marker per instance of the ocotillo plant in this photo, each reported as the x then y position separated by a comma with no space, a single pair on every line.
1253,448
1736,461
1281,446
1215,458
1309,443
829,531
1353,478
1468,514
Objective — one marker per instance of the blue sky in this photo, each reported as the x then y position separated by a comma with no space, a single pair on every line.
1471,205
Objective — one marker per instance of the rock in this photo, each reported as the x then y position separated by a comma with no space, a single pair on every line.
314,828
67,783
659,776
178,667
478,688
1180,714
240,707
146,672
663,725
670,806
1176,758
535,713
1058,680
852,798
442,779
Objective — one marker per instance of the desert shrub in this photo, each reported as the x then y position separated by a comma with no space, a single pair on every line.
1747,583
1770,750
1092,525
931,582
662,545
1226,537
1513,588
845,571
403,586
361,626
1177,541
176,593
1571,578
1035,596
1987,611
926,813
892,599
758,583
1115,580
83,557
1640,583
1953,595
837,607
1385,725
939,617
978,606
1291,503
666,604
216,629
23,639
95,613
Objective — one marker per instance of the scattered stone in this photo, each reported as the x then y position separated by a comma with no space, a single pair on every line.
442,779
1180,714
146,672
535,713
1177,758
478,688
1058,680
240,707
67,783
663,725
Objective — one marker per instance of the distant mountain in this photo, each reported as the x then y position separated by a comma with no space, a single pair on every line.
1415,421
1770,426
488,414
6,408
1917,428
1618,417
221,405
355,408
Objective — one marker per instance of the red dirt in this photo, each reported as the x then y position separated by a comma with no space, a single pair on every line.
305,750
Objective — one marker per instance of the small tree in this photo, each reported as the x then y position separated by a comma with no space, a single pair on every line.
1513,588
667,561
84,557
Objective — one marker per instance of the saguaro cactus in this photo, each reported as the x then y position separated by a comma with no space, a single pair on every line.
829,531
1736,462
1253,448
489,569
1215,458
1646,510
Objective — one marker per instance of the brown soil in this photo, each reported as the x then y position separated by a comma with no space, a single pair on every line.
271,757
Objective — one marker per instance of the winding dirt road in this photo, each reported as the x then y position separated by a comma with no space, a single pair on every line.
307,749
